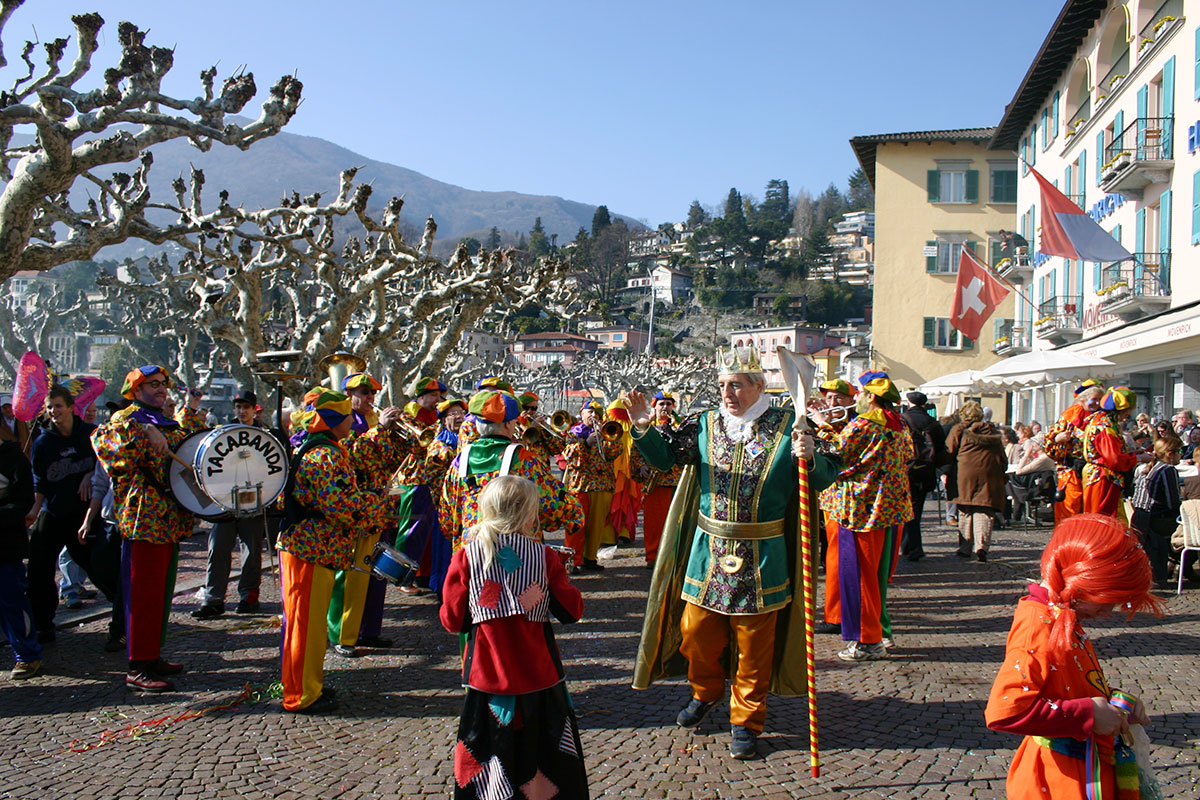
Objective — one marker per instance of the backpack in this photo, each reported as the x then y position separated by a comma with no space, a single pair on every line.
923,450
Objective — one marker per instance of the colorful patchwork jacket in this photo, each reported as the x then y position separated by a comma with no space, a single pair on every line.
559,509
325,486
145,510
1066,454
743,568
1105,451
590,469
871,491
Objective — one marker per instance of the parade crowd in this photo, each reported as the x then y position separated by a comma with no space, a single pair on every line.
464,493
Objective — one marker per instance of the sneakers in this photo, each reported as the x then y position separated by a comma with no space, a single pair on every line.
827,627
375,642
857,651
888,643
345,651
24,670
693,713
744,743
139,679
72,601
209,611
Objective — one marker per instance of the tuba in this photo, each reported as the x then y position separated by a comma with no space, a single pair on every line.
339,366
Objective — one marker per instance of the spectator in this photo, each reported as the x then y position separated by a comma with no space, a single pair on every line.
1143,424
930,445
1189,446
1156,505
977,446
16,616
1035,459
949,473
1184,423
1164,428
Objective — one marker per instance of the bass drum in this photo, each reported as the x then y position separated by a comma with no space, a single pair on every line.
186,488
241,467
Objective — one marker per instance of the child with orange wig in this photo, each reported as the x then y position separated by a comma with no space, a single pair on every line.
1051,688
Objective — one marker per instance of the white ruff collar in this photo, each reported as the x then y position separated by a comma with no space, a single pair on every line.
741,429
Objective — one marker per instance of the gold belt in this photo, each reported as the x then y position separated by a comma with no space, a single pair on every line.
741,530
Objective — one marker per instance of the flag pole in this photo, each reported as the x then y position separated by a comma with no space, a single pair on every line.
970,254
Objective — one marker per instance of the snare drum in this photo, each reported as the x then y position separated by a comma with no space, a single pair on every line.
186,488
393,566
565,554
243,468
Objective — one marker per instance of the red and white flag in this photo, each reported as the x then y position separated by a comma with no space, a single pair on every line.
976,295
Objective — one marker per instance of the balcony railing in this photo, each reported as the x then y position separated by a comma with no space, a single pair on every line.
1164,19
1133,290
1011,338
1081,115
1116,74
1138,156
1077,199
1017,267
1060,318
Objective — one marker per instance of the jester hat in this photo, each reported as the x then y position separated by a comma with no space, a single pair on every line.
527,399
660,396
619,410
360,380
1089,383
840,386
493,406
1119,398
880,385
136,377
323,410
594,405
446,405
492,382
425,385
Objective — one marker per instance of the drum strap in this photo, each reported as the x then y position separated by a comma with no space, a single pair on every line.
510,456
506,462
293,511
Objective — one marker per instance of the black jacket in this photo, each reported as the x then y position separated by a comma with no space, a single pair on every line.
16,498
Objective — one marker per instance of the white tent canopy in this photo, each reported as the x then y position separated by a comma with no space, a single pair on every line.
952,384
1042,367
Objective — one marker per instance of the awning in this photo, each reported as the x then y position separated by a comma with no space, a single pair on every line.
1042,367
955,383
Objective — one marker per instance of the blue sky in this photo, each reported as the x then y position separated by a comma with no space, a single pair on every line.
642,106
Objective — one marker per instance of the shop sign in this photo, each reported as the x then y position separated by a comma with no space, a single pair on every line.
1105,206
1094,319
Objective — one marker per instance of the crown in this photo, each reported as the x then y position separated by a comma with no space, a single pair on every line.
739,361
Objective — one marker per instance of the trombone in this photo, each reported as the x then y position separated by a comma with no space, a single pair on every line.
538,430
422,436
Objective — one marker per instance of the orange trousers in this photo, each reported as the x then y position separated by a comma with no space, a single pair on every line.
833,596
654,515
1072,503
1104,497
861,585
307,588
705,637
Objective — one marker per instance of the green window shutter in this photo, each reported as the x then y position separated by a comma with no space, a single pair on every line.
931,261
1045,128
1099,156
1083,176
1143,103
1116,233
1068,182
1025,156
1033,146
1168,105
1164,222
1196,205
996,248
1139,232
1079,281
1118,133
972,186
1196,77
933,185
930,322
967,344
972,246
1054,117
1031,237
1096,276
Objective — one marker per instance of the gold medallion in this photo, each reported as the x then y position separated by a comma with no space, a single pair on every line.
731,563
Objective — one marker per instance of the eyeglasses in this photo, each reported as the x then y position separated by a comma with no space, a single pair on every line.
157,384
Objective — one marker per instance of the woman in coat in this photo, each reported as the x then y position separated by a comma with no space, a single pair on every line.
978,448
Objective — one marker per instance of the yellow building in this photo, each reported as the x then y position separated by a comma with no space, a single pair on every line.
935,193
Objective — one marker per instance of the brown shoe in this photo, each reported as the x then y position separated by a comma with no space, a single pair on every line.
160,666
24,670
139,680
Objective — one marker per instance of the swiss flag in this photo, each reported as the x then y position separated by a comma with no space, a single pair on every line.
976,295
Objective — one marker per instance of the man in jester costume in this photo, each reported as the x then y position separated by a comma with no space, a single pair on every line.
377,447
1106,454
325,510
1064,444
437,461
730,558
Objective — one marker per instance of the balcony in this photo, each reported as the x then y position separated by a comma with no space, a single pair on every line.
1133,291
1077,199
1011,339
1107,86
1139,156
1017,268
1168,16
1060,320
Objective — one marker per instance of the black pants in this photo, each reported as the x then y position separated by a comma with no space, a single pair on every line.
910,540
1155,531
48,536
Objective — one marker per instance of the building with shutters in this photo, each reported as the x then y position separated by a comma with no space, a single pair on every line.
1108,112
936,192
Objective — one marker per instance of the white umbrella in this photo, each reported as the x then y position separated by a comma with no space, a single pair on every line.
1042,367
952,384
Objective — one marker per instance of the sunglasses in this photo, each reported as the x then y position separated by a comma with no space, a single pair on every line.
157,384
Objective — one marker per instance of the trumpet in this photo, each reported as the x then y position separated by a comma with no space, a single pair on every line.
538,429
612,431
422,436
561,421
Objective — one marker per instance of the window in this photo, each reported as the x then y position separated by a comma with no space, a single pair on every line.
949,252
618,337
941,335
1003,187
953,183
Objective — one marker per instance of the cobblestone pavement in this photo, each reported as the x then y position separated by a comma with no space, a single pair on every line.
909,726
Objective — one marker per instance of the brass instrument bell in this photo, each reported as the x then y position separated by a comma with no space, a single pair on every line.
339,366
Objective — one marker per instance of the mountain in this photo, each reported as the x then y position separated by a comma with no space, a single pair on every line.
277,166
